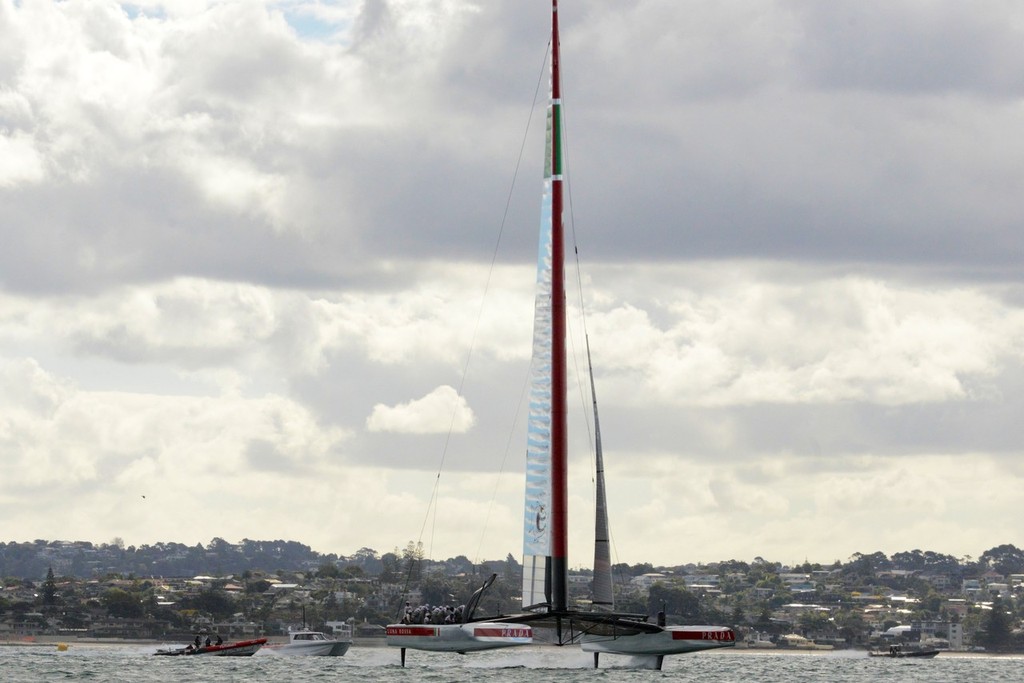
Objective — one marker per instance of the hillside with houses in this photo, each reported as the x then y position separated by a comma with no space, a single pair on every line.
168,591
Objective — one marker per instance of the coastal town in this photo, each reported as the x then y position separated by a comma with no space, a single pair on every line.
169,591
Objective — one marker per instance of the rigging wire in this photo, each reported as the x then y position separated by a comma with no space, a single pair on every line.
432,505
583,317
522,392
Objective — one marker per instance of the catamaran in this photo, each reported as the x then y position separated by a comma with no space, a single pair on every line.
545,534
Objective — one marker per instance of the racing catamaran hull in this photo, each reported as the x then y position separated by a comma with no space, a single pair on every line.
462,638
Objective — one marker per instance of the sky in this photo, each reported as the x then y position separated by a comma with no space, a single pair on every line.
267,271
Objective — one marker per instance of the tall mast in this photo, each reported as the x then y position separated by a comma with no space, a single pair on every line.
545,520
559,436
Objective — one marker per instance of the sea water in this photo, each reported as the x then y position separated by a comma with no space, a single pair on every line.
129,663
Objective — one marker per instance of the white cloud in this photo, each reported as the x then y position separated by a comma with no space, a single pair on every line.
230,231
67,439
817,509
440,411
19,160
823,340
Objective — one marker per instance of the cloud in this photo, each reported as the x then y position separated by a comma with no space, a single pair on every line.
820,341
234,230
19,161
60,438
438,412
707,510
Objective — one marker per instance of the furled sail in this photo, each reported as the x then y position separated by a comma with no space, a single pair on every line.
603,593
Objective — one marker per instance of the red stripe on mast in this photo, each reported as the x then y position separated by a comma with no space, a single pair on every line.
559,436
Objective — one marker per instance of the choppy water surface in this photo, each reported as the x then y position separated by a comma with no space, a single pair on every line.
525,665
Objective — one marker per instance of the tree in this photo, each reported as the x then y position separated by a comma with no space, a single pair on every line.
328,570
364,554
852,625
1005,559
814,621
677,602
352,571
437,590
865,566
511,570
764,619
997,627
641,568
412,560
121,603
729,566
212,602
49,588
390,566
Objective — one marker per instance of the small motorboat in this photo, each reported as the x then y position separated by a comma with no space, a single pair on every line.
241,648
314,644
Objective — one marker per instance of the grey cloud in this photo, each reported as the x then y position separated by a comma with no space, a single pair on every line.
908,48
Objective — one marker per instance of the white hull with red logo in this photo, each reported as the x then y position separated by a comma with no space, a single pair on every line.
462,638
673,640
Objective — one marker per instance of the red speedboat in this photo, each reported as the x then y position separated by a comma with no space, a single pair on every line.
241,648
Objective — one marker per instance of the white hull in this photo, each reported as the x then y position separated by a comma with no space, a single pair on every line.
673,640
472,637
314,644
329,648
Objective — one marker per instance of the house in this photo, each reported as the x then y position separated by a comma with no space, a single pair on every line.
647,580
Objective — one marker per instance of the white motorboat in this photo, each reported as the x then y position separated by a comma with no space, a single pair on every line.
314,644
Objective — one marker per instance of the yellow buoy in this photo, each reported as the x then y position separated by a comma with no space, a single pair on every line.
61,647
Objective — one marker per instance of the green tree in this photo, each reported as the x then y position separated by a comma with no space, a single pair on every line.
50,589
121,603
390,568
1005,559
328,570
353,571
212,602
412,560
996,627
852,625
676,602
814,621
641,568
437,590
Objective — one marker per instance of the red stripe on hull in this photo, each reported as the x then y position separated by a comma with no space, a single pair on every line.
411,631
503,632
723,636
